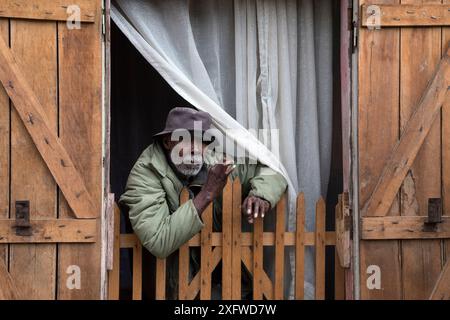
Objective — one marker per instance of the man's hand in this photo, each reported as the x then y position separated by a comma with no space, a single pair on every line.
252,207
215,182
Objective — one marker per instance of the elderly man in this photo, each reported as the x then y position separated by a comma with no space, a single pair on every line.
166,166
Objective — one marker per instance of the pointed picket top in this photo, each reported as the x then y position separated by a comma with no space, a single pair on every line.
320,249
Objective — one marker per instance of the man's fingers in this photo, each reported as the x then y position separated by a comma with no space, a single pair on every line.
230,168
253,207
249,206
256,208
244,206
265,209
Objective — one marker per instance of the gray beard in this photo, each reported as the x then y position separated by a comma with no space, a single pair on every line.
189,170
190,166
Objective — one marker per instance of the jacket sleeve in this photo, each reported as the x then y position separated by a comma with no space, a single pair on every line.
263,182
160,232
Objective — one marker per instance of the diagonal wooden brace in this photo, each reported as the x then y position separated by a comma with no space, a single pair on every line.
48,144
8,288
405,151
441,290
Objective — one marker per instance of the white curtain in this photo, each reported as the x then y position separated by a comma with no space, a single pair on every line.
255,64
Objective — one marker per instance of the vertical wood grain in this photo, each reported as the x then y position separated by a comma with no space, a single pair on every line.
4,147
300,248
160,279
378,131
258,268
183,259
205,253
279,249
227,228
80,124
236,259
114,274
34,266
137,271
446,144
319,246
420,54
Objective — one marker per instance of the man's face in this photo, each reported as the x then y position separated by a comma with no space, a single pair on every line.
186,155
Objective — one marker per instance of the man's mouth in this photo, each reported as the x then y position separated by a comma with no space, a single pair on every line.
191,165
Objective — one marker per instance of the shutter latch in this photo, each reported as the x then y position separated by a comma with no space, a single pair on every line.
434,214
23,226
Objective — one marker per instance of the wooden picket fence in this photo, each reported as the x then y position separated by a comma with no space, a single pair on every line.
232,246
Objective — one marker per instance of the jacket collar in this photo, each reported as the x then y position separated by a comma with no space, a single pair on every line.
157,159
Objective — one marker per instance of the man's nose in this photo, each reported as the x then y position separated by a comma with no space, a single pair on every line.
195,148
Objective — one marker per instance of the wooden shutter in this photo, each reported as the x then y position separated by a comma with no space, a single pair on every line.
404,145
50,148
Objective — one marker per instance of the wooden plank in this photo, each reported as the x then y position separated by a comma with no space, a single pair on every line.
33,266
48,9
8,288
227,228
405,227
349,174
258,267
345,74
183,259
300,248
421,261
128,240
378,128
160,279
268,239
267,286
279,249
4,147
414,134
441,290
137,271
80,123
445,145
320,250
343,227
387,257
110,230
194,287
51,148
46,231
205,253
407,14
421,264
339,279
114,274
237,229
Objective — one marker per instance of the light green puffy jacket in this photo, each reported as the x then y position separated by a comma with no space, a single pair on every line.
152,195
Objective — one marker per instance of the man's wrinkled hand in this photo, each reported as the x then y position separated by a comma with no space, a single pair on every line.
217,179
215,182
254,207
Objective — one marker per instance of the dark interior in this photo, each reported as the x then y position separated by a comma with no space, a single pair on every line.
140,102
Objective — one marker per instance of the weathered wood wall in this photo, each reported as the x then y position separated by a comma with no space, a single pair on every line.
395,67
64,68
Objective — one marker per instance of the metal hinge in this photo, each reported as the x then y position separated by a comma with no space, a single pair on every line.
103,22
353,24
355,35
